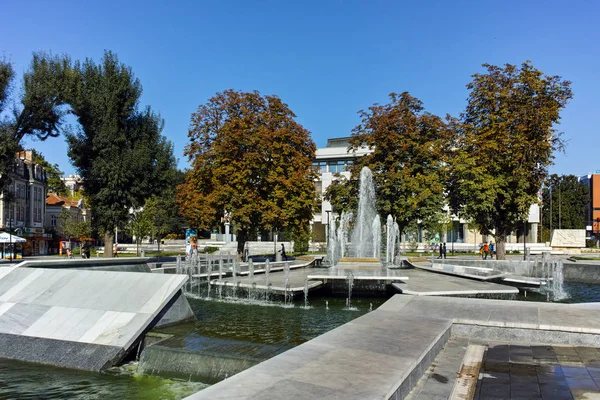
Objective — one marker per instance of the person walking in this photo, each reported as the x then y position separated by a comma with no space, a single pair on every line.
283,255
441,250
485,250
444,250
116,250
492,250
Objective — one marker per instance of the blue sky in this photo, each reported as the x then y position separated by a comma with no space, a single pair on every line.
326,59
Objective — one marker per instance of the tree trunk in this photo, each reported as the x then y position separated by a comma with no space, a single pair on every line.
500,247
108,245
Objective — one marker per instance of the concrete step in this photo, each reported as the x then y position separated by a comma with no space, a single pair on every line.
438,380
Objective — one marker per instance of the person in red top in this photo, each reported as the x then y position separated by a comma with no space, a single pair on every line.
485,250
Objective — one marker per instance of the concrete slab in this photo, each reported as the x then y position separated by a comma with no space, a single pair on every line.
275,282
425,283
71,309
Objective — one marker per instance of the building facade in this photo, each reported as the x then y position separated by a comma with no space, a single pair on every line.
22,210
55,206
592,209
335,158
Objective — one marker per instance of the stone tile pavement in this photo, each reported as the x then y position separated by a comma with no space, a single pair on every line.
528,371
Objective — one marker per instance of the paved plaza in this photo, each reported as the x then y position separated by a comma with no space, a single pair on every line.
383,354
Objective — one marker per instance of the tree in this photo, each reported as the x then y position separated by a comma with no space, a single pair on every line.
72,227
40,112
139,226
409,149
118,149
252,159
342,193
567,207
505,143
53,175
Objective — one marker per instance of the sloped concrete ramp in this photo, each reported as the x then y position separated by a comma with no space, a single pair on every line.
79,319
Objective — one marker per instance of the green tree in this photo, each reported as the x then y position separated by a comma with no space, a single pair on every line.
408,162
252,159
505,143
118,149
72,227
566,209
342,193
53,175
139,226
39,110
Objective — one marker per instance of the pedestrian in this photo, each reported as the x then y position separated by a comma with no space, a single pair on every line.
283,255
116,250
441,250
486,250
69,255
492,252
444,250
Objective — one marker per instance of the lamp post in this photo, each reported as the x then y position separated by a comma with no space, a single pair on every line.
328,229
525,241
452,237
10,244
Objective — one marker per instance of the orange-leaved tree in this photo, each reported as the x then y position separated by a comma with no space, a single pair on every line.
252,160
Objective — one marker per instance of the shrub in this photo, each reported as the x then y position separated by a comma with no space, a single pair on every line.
210,249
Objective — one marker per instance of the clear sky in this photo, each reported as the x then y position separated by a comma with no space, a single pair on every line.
327,59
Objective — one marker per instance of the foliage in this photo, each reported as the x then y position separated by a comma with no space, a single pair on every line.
162,215
564,201
210,249
301,238
409,149
71,227
39,112
118,149
249,158
342,193
53,175
505,143
139,226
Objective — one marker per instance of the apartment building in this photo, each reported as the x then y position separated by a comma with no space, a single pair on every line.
22,210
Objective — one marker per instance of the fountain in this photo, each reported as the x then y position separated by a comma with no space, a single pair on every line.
363,236
366,237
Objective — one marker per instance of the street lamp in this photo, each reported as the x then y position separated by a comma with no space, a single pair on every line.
10,244
525,241
328,229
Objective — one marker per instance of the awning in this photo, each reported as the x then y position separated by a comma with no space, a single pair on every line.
8,238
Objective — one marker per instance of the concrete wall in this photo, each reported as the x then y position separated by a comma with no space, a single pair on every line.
582,273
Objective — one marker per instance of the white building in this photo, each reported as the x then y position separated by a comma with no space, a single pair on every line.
335,158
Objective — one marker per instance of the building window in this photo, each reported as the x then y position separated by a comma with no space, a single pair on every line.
320,167
336,166
37,204
53,221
